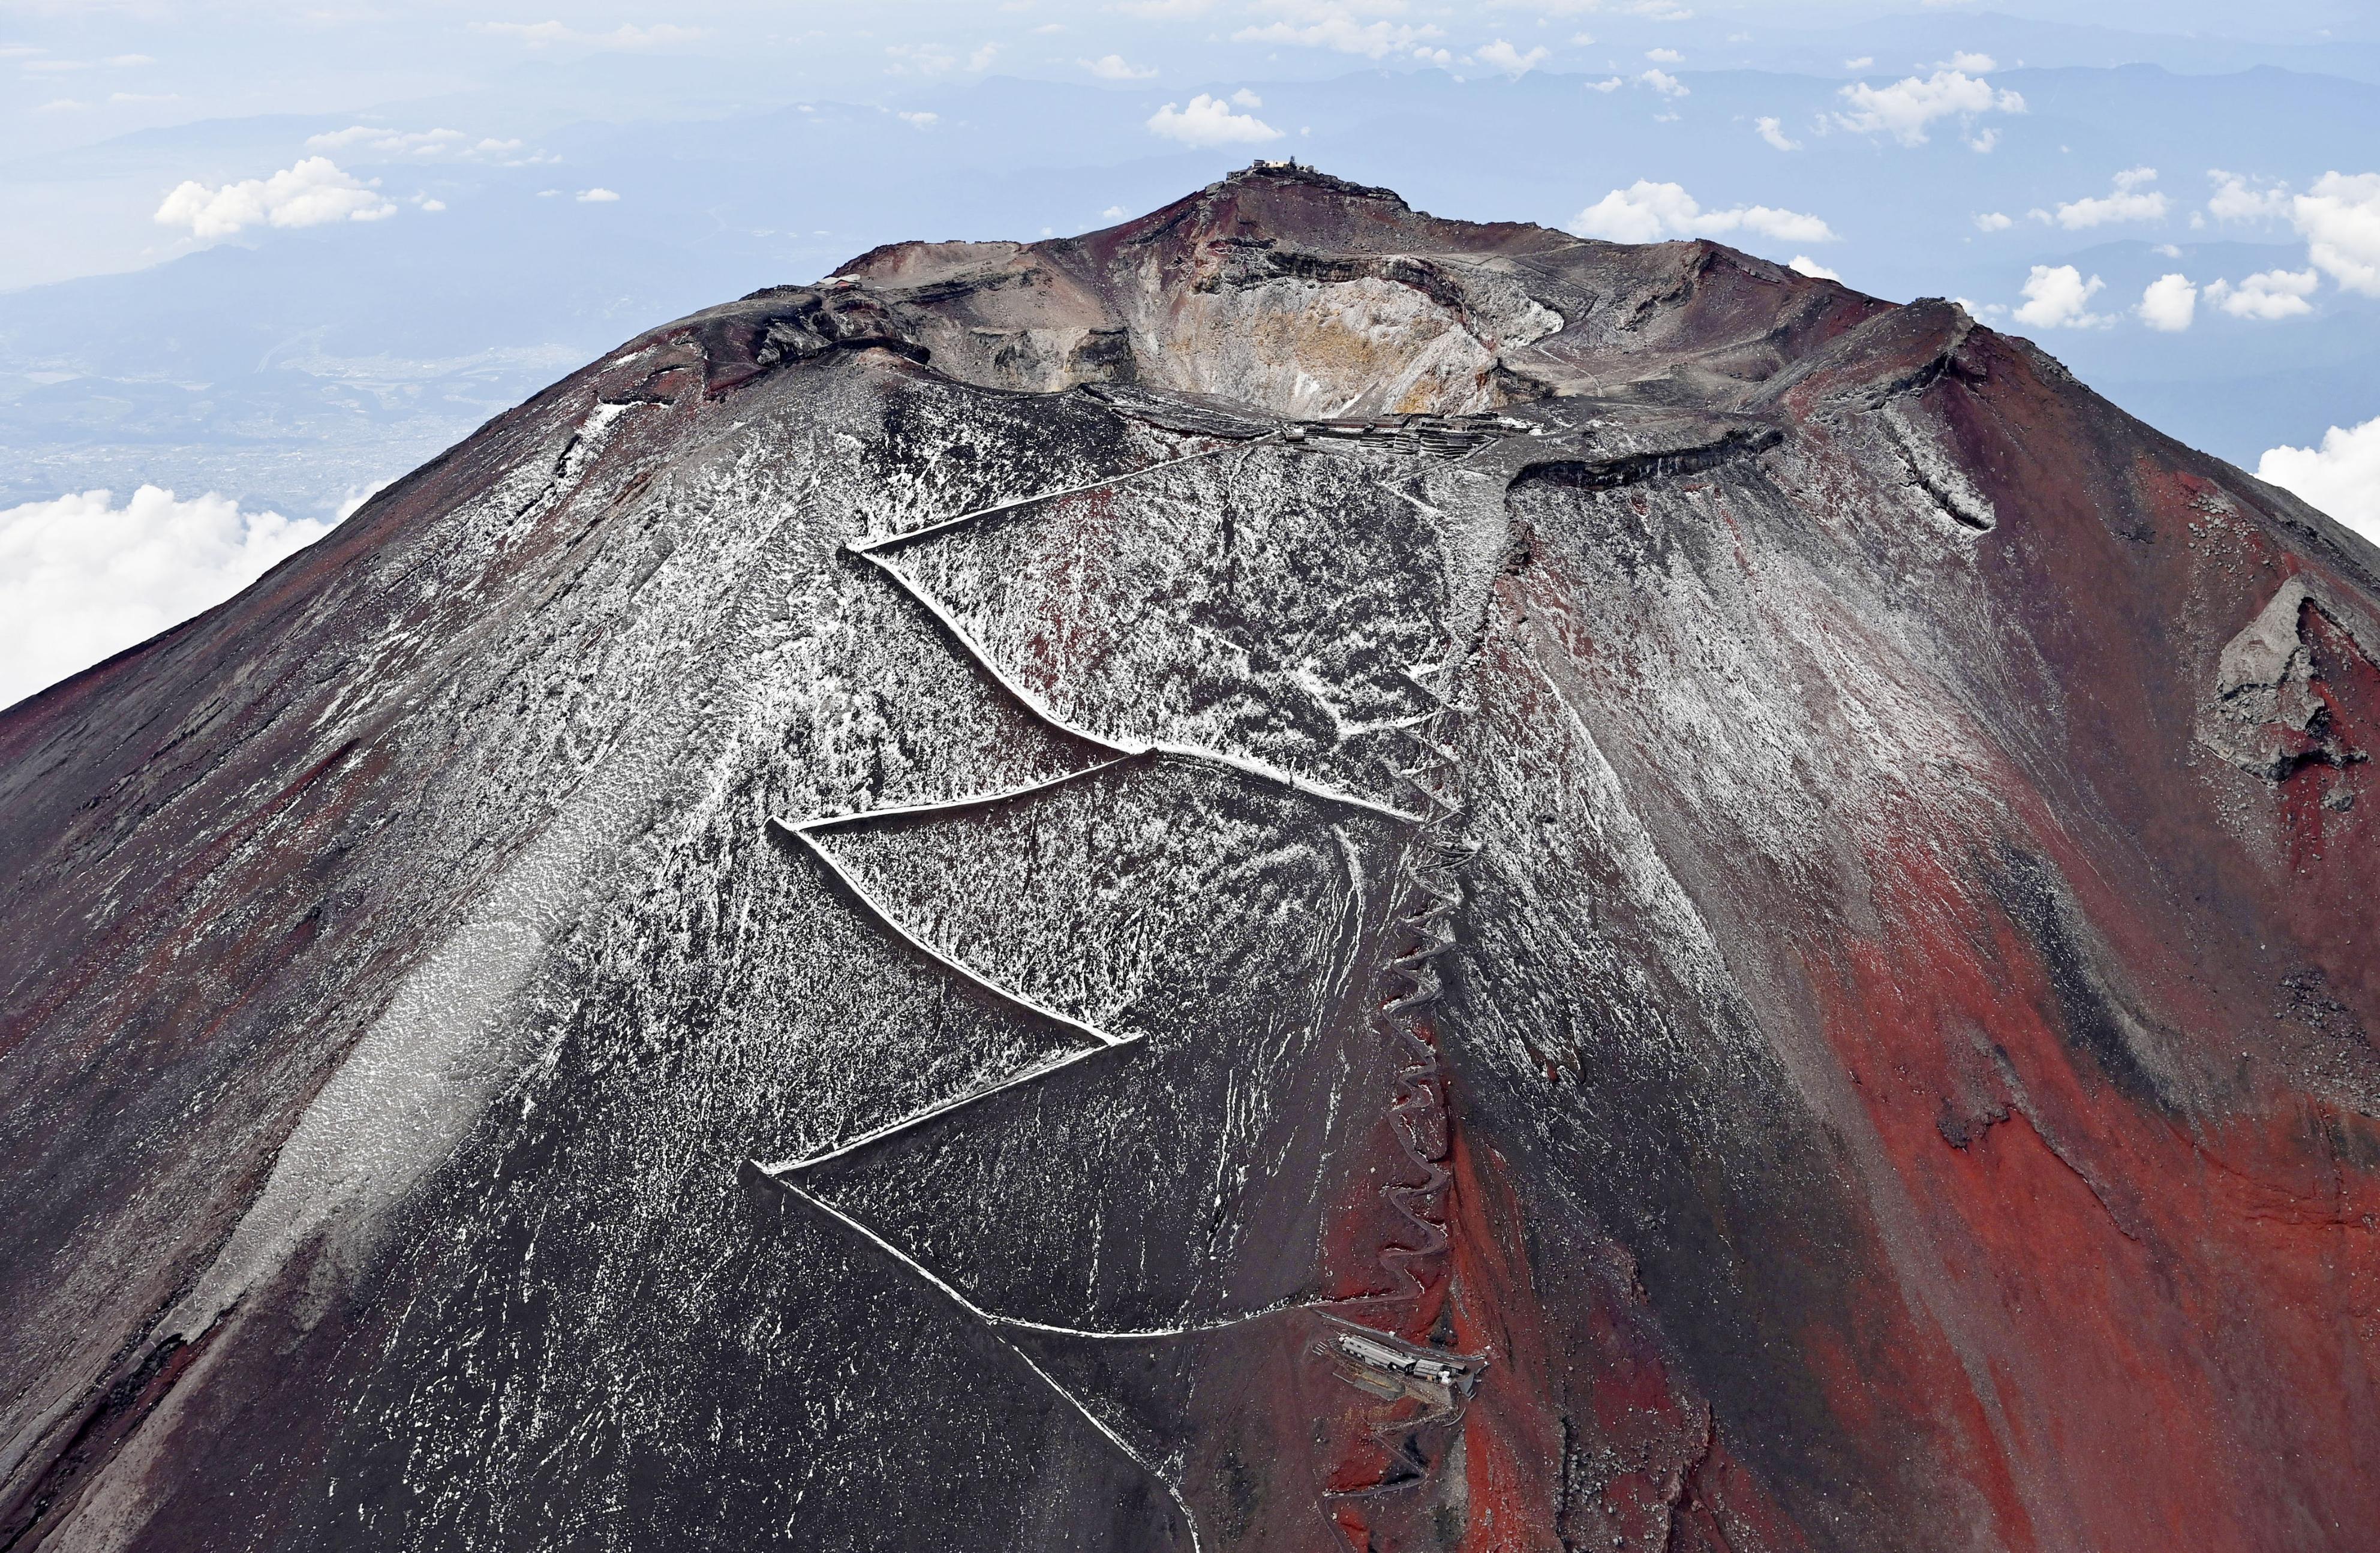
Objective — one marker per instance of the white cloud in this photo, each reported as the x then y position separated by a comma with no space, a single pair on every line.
1650,212
1335,24
1907,108
1115,212
82,578
1972,64
2340,222
1983,142
1658,10
118,60
2342,477
2267,295
1614,84
924,59
1116,67
596,197
1773,131
1665,56
1246,99
1862,63
1803,264
396,141
543,34
1665,83
2234,201
932,59
418,145
310,194
1208,121
2059,297
1993,221
920,118
2132,200
1503,57
2169,304
356,499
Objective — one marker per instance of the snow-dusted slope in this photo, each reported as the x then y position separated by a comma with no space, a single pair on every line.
1289,877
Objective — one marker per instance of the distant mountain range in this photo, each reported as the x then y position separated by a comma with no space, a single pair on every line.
293,368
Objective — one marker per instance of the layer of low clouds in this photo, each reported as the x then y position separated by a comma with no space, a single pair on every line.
1339,25
2272,294
1116,67
311,193
1652,213
83,578
2338,218
367,142
2169,304
2057,296
1209,121
543,34
2131,199
2340,222
1501,56
934,61
2341,477
2235,198
1909,109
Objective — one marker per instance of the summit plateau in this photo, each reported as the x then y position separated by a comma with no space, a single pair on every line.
1290,877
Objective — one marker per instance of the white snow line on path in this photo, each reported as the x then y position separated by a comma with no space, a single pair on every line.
868,547
974,649
952,1295
891,1129
775,1174
972,800
1274,774
1033,704
955,966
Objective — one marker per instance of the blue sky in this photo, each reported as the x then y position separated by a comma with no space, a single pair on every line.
265,256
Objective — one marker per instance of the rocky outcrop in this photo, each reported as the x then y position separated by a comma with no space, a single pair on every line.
2293,686
1290,876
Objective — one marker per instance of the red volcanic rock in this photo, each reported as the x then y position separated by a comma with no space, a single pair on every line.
1337,880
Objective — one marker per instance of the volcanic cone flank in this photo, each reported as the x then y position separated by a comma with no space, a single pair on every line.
1337,881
